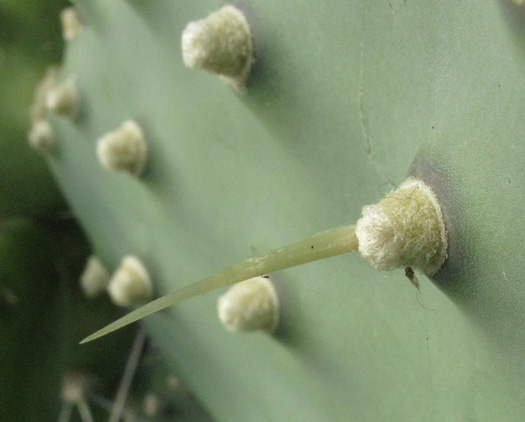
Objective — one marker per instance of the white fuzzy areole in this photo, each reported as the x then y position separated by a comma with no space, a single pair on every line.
71,23
76,386
222,44
152,406
123,149
64,99
38,109
95,278
42,137
249,306
131,283
405,229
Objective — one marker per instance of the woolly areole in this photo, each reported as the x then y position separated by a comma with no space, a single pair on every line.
131,283
250,305
405,229
123,149
222,44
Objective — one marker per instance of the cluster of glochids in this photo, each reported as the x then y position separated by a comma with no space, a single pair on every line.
130,284
80,390
406,229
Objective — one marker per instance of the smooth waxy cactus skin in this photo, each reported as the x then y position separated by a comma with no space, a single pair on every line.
316,137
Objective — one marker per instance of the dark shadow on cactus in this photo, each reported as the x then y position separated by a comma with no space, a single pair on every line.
515,14
282,333
492,303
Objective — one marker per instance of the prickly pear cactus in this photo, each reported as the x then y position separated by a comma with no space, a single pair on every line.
342,102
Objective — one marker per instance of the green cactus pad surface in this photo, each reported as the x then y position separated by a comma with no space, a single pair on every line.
344,101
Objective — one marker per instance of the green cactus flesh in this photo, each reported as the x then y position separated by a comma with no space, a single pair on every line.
344,100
